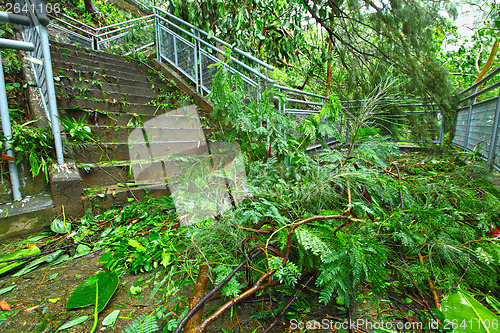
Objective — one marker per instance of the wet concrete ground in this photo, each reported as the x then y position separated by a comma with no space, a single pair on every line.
32,310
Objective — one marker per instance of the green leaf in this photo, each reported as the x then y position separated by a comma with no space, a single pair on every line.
111,318
34,265
82,250
85,293
470,315
74,322
136,245
135,290
8,266
58,227
7,289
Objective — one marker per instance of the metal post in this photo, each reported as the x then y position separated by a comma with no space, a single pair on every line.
157,33
176,60
4,110
259,90
441,131
200,56
51,92
469,116
195,51
494,136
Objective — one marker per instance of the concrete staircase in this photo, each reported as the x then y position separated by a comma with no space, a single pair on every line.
116,98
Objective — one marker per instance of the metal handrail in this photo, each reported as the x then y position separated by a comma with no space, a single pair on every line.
4,107
483,80
37,34
142,18
96,37
235,49
14,18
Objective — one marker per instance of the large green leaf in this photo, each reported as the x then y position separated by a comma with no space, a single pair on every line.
85,294
8,266
464,314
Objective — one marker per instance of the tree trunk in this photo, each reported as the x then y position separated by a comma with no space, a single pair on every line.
90,7
487,66
329,68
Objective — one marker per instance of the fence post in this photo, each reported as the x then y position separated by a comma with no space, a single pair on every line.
157,33
4,109
441,131
176,58
200,57
494,135
469,116
195,51
51,93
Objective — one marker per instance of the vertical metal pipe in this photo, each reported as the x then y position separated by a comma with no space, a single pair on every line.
494,135
200,56
469,118
51,92
441,130
4,111
176,60
195,51
157,33
259,85
347,128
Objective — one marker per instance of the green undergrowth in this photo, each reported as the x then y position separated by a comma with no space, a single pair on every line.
357,223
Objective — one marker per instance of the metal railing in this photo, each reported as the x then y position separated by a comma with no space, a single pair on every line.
191,51
4,107
66,29
478,120
417,122
195,53
36,33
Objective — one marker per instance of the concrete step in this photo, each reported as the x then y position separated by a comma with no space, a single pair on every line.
113,195
121,66
115,97
95,153
79,103
118,119
104,85
112,173
140,82
63,47
122,134
27,216
135,76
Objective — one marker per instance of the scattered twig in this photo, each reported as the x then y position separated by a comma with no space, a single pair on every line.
437,302
287,305
256,287
209,295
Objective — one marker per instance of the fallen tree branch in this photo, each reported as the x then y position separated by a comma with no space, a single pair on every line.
287,305
435,295
198,293
209,295
256,287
